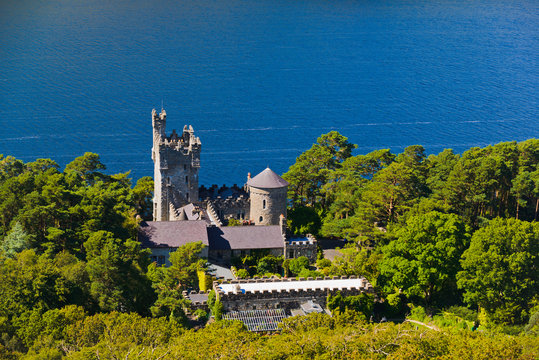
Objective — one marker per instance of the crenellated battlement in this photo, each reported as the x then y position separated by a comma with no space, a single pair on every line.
306,246
266,293
228,202
176,163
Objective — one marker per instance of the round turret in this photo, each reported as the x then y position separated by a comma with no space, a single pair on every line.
267,192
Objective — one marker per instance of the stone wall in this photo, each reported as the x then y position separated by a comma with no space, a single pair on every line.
259,300
228,202
164,252
225,256
294,249
176,163
267,205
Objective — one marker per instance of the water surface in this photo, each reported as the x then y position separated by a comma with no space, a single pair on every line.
260,79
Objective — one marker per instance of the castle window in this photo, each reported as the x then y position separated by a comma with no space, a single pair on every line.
291,254
187,196
187,179
184,166
260,219
161,260
264,204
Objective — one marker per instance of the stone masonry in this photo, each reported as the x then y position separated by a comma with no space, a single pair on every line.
274,298
176,163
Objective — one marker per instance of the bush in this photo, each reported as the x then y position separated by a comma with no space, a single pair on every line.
462,312
217,310
242,274
298,264
201,315
269,264
323,263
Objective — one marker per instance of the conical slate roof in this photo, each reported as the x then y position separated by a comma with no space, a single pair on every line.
267,179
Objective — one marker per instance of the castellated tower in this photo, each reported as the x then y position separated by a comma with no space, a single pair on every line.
267,192
176,162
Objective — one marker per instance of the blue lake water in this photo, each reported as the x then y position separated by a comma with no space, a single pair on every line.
260,80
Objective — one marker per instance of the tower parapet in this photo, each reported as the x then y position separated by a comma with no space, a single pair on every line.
176,163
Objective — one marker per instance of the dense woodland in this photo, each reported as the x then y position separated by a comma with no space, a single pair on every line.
449,241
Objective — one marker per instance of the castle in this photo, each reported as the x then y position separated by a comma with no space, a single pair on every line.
185,212
176,164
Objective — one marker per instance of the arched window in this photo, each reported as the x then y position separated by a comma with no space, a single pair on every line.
264,204
260,219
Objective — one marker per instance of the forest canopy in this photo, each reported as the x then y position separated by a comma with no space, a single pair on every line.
453,237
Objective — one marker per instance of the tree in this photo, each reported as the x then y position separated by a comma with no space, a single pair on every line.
86,167
116,271
15,241
298,264
142,197
499,270
424,258
523,188
303,220
269,265
169,282
313,167
358,262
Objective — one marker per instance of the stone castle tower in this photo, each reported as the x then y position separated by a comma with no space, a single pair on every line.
267,193
176,163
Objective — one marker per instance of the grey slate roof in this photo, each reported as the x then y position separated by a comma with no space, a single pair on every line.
245,237
188,212
173,234
267,179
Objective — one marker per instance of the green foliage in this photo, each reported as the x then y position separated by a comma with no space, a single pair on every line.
169,282
234,222
269,264
312,168
532,328
205,280
323,263
114,262
201,315
68,249
363,304
360,262
500,270
211,298
38,324
115,334
462,312
142,197
297,265
242,274
424,258
217,309
15,241
304,220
